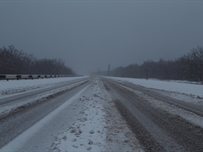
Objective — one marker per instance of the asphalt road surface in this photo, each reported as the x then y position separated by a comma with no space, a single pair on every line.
156,129
14,124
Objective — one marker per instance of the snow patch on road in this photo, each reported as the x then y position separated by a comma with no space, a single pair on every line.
88,133
99,126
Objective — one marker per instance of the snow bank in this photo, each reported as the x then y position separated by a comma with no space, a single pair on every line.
173,86
16,86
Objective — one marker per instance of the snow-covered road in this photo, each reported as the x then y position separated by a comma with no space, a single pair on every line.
98,114
16,99
160,124
85,122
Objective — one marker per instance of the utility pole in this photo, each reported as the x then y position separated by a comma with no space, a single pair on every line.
147,74
109,68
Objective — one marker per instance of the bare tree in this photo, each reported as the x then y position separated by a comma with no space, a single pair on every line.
187,67
13,61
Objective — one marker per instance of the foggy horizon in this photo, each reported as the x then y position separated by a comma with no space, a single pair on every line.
90,35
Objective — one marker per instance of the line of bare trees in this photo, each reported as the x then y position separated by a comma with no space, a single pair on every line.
188,67
13,61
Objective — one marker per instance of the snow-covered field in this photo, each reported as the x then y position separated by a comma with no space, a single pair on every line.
182,90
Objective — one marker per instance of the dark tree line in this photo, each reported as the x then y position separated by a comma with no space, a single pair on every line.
13,61
187,67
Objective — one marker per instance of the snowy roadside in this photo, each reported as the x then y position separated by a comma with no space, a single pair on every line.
166,107
176,111
99,126
8,88
9,108
175,89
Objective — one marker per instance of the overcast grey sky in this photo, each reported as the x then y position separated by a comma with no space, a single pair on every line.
88,35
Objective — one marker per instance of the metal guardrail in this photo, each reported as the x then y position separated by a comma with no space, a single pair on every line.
19,76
